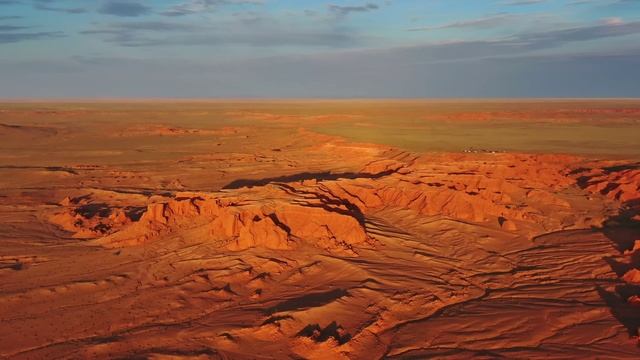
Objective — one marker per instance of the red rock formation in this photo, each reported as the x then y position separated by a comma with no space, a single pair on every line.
479,192
329,214
616,181
238,225
632,276
87,220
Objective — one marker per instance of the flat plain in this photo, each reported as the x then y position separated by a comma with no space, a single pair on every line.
320,229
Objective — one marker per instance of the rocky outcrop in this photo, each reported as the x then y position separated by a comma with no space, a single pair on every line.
480,191
503,191
616,181
88,220
237,224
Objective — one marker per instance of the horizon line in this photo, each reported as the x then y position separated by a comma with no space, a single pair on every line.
108,99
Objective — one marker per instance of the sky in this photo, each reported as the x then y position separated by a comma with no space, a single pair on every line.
323,48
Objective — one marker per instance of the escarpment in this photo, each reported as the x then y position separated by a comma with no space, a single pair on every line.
330,213
235,223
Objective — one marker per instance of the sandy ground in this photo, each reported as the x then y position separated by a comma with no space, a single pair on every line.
254,231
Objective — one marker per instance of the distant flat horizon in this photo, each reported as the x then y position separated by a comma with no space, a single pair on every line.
303,99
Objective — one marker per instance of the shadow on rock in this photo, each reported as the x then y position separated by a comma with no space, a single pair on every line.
320,176
318,334
623,230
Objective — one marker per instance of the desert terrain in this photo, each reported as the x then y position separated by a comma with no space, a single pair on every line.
320,229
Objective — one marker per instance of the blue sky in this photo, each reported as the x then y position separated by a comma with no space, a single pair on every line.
286,48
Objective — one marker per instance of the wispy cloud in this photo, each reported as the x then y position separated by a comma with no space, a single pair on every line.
485,22
12,27
523,2
341,10
124,8
606,3
261,34
14,37
201,6
48,5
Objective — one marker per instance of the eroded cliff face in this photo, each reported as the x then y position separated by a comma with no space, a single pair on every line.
527,193
617,181
236,224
